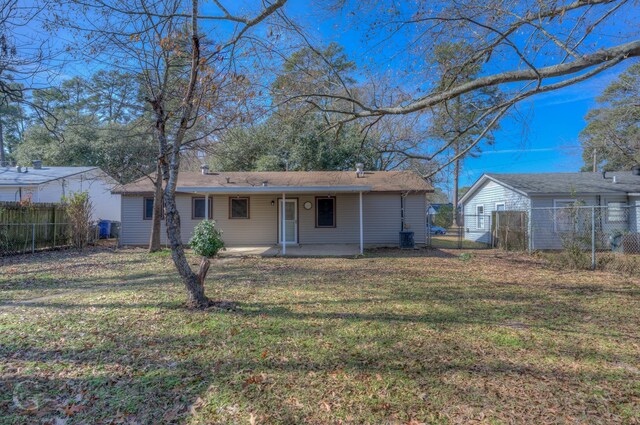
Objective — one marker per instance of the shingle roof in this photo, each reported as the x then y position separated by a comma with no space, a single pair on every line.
579,183
10,177
377,181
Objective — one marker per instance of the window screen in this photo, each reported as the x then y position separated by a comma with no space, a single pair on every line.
148,208
616,212
197,208
566,217
480,216
326,212
239,208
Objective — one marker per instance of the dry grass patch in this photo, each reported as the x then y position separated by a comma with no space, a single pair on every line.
394,337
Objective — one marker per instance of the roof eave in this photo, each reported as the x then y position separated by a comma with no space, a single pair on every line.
474,188
273,189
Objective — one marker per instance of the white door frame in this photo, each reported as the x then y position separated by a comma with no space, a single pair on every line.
295,221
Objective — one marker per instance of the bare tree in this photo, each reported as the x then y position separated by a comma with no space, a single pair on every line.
524,48
23,60
190,79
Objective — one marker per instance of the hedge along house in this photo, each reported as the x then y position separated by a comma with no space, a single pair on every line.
547,197
320,207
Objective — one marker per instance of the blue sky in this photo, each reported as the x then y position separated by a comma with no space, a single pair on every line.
542,137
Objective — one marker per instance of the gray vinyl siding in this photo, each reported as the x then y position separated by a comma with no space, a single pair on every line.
488,195
381,220
415,210
634,214
347,228
543,229
258,229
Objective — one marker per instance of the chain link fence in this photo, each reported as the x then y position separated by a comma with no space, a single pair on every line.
447,229
572,229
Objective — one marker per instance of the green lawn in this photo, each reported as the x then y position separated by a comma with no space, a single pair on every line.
394,337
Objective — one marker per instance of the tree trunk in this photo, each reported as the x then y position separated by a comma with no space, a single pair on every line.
195,290
3,160
154,241
204,268
456,183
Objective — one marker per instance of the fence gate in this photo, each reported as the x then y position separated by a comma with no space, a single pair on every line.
509,230
447,229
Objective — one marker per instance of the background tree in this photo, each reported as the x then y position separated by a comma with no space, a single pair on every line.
612,134
524,48
293,144
13,120
458,122
96,121
444,217
298,135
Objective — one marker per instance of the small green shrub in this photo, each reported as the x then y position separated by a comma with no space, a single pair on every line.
207,239
465,256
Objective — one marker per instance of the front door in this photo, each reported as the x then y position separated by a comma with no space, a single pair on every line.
290,221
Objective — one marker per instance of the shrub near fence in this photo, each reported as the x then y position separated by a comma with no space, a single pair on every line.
30,227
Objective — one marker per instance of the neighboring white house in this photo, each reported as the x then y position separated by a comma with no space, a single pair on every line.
543,194
320,207
50,184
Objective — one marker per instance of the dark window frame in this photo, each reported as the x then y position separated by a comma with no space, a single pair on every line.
144,207
246,198
193,207
335,218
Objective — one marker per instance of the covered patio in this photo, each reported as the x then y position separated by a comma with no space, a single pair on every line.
287,226
306,250
288,212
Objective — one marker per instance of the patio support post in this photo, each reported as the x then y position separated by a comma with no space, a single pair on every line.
593,238
206,206
282,226
361,228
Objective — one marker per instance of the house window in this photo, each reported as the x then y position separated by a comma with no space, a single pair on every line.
198,207
238,207
616,212
148,208
480,216
565,216
500,206
326,212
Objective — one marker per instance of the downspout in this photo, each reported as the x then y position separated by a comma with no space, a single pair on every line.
401,212
402,217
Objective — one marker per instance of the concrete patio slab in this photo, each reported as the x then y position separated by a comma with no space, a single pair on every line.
312,250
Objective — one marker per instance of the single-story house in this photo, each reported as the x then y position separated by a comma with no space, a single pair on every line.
320,207
543,195
41,184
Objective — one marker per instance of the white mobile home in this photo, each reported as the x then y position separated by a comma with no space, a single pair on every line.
40,184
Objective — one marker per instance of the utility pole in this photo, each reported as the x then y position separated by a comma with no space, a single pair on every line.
595,162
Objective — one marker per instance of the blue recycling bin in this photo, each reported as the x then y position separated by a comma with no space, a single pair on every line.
105,228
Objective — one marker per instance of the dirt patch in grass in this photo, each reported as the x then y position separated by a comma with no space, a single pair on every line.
393,337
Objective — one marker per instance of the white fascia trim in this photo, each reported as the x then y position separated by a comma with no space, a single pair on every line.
481,181
275,189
